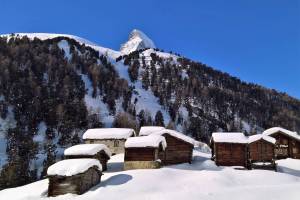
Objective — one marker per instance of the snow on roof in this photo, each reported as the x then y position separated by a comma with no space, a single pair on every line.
146,141
108,133
257,137
72,167
273,130
147,130
86,149
229,137
176,134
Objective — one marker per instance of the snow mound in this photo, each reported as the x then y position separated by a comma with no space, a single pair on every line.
137,40
108,133
86,149
146,141
147,130
229,137
72,167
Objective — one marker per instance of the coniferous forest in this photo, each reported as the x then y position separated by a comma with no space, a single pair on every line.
40,83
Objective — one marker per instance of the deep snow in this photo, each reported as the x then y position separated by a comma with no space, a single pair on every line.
200,180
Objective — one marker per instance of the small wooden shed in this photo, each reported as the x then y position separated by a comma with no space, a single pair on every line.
146,152
287,142
97,151
261,152
229,149
113,138
73,176
179,146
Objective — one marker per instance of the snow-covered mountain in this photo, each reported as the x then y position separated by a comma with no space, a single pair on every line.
137,40
139,80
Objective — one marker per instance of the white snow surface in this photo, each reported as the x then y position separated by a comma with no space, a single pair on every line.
108,133
86,149
146,141
257,137
228,137
176,134
200,180
46,36
273,130
147,130
137,40
72,167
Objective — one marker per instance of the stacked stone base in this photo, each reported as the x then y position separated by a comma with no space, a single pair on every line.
141,165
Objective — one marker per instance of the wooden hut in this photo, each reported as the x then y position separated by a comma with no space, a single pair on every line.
229,149
97,151
287,142
179,146
73,176
113,138
261,152
147,152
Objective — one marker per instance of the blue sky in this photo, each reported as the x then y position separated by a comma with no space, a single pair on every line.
257,41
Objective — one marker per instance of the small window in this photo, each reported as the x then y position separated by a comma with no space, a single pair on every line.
116,143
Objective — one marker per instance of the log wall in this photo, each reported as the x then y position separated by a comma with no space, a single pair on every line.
77,184
177,151
116,146
286,146
261,151
230,154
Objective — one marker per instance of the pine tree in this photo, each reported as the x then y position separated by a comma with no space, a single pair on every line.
159,119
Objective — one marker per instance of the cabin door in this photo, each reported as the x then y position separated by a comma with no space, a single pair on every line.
281,150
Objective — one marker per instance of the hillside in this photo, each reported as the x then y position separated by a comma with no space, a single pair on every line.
200,180
55,86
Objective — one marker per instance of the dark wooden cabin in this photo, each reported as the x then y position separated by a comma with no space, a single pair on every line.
261,152
229,149
147,152
64,179
96,151
287,142
179,146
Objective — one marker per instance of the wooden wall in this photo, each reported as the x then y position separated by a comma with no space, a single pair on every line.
77,184
261,151
230,154
116,146
177,151
286,146
140,154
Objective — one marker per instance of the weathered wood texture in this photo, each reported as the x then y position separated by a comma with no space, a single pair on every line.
101,156
140,154
116,146
77,184
286,146
230,154
261,151
143,158
177,151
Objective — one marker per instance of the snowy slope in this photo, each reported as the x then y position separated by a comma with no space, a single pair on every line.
137,40
200,180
